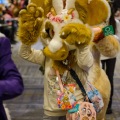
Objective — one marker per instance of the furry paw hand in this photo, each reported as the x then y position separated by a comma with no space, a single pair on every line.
30,22
76,34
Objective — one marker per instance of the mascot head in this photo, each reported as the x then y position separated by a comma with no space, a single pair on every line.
67,24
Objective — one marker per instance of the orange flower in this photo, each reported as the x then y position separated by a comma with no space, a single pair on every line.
63,107
59,102
70,106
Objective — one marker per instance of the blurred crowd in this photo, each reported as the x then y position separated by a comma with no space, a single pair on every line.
116,4
12,8
9,10
117,15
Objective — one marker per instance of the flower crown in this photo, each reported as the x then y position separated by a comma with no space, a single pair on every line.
61,18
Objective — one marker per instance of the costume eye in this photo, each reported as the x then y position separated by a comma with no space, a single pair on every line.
89,113
83,111
51,33
49,29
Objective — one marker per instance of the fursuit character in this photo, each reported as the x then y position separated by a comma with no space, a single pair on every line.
65,29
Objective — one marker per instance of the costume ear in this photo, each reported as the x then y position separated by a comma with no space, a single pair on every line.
98,12
53,6
93,12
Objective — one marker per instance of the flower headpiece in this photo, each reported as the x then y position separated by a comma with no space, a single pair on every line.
61,18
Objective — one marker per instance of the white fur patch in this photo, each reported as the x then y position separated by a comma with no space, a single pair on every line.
58,5
70,4
56,42
55,45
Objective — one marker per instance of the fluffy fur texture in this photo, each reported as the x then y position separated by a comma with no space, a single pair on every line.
99,79
93,11
64,32
76,33
88,10
108,49
30,30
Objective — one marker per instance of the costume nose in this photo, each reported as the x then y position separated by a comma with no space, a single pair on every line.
61,54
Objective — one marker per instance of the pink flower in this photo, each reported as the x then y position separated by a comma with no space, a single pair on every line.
58,19
73,15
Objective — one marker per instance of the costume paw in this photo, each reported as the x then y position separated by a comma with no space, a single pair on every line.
76,34
30,22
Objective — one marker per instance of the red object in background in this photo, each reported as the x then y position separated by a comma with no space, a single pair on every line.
98,34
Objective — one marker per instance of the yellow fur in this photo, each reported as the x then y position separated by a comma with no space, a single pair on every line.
30,23
91,12
86,11
94,12
82,10
108,46
39,3
47,6
58,65
73,34
99,79
76,34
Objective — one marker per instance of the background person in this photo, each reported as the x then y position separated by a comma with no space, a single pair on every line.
11,83
108,64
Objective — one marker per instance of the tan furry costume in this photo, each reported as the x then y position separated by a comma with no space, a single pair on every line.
67,27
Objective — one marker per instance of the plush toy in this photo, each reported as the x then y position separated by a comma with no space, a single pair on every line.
65,29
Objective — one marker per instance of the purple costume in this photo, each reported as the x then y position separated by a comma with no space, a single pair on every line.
11,83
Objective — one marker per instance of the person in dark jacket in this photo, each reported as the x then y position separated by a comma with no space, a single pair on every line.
11,83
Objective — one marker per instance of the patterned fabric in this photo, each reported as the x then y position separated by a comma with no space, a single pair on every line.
95,97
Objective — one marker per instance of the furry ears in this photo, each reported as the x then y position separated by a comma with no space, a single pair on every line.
93,12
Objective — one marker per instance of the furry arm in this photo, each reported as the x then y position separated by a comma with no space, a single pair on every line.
76,34
32,55
108,46
30,22
80,36
84,58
